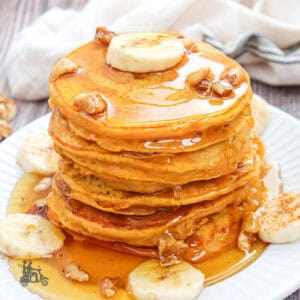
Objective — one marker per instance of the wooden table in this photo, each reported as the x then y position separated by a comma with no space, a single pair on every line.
16,14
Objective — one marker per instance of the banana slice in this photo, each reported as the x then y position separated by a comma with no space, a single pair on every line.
280,219
273,180
144,52
29,236
37,154
261,114
150,281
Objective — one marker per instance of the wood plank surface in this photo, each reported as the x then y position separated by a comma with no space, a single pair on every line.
14,15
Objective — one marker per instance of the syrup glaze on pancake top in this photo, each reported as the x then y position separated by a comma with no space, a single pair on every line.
153,158
150,106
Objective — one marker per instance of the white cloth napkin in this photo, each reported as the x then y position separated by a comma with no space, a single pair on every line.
263,35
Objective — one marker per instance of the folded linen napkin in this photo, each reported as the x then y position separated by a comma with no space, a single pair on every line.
263,35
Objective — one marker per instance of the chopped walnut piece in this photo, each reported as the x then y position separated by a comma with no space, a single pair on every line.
244,241
8,108
249,227
234,77
170,250
62,67
222,88
43,185
109,286
40,208
205,86
168,245
5,130
73,272
250,222
103,36
198,76
91,103
190,45
170,260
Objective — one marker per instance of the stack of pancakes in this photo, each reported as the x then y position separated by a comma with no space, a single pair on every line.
161,155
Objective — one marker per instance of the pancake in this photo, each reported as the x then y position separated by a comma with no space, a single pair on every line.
218,232
138,230
157,105
123,184
197,141
143,186
210,162
203,159
92,191
147,182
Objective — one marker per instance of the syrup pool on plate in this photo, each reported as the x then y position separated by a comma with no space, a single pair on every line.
97,261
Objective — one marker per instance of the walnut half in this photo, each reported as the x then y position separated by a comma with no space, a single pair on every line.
91,103
73,272
195,78
103,36
170,250
62,67
5,130
203,81
109,286
249,227
222,88
234,76
8,108
190,45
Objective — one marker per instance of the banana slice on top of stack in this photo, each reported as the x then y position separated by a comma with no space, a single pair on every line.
144,52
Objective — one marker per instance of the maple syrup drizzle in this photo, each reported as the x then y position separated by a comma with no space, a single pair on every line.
144,92
100,259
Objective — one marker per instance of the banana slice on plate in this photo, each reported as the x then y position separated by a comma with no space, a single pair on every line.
37,154
280,219
273,181
29,236
150,281
144,52
261,114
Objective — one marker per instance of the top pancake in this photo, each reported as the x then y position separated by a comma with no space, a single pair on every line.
153,105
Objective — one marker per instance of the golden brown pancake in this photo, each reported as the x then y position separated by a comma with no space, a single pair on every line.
203,159
123,184
218,232
153,105
91,190
210,162
138,230
147,148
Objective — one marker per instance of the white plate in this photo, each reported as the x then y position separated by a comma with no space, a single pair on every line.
274,275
